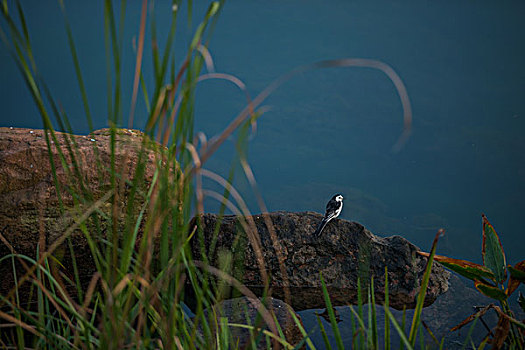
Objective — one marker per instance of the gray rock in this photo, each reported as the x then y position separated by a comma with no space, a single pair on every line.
344,252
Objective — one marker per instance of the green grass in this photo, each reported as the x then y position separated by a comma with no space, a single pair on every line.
367,327
135,298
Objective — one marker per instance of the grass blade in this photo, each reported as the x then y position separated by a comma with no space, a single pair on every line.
330,310
76,63
423,290
387,319
400,330
323,333
299,325
375,341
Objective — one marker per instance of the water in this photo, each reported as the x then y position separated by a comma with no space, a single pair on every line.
332,130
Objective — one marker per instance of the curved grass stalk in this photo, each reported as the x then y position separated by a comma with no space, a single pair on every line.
251,231
203,50
269,225
347,62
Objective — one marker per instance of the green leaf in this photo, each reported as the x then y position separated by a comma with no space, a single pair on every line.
518,271
492,252
465,268
490,291
517,276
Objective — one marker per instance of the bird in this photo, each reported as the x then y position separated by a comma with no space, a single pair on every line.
333,209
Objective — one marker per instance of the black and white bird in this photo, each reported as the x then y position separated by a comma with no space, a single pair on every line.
333,209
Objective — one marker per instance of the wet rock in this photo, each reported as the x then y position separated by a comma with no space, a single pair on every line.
244,311
30,213
452,308
344,252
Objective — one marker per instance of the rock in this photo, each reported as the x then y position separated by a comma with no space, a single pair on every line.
452,308
31,217
344,252
244,311
30,213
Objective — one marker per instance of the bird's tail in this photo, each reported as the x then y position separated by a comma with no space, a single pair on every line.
320,227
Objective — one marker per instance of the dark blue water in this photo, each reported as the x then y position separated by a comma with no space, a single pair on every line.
333,130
